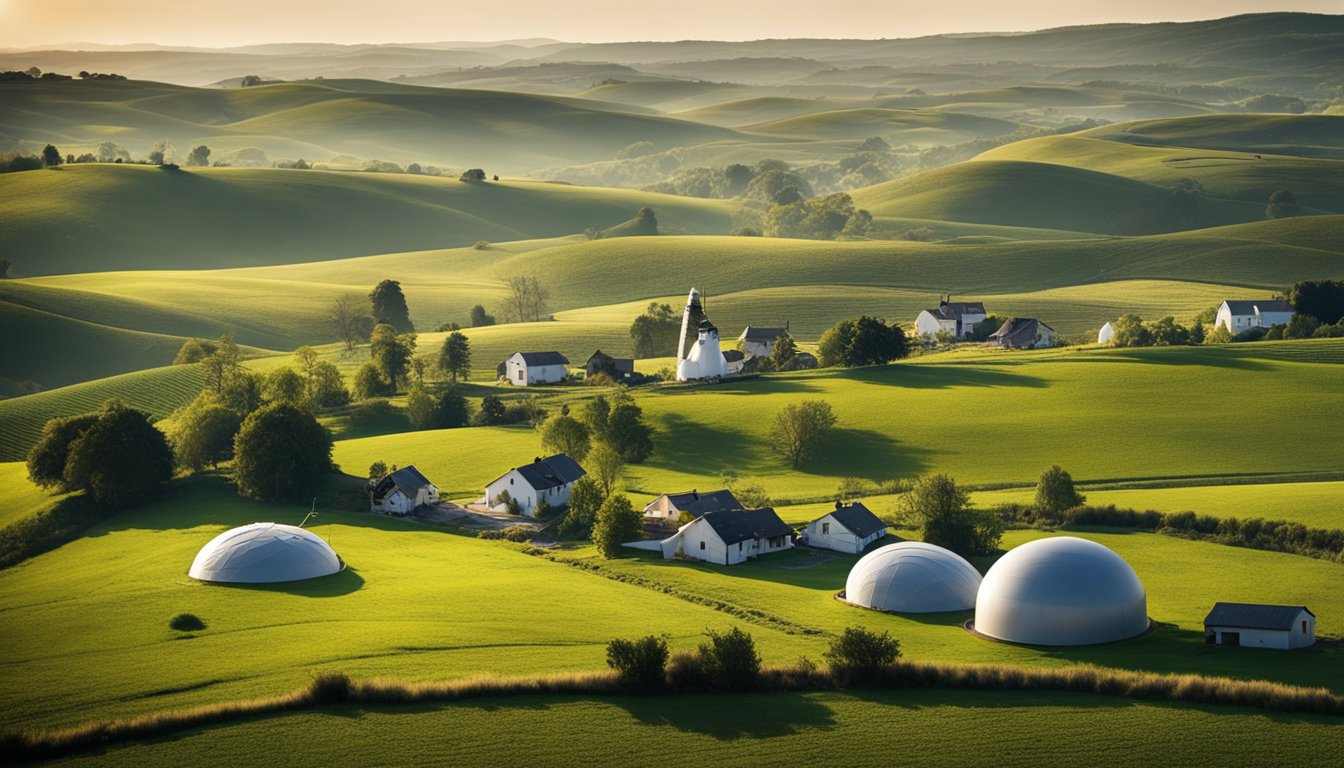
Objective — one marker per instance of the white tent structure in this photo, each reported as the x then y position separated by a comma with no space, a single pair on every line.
912,577
263,553
1106,335
1061,591
704,359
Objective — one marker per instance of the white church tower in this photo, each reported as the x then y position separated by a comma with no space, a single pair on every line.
704,360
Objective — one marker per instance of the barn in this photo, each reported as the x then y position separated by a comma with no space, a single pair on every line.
1061,591
912,577
402,491
1260,626
264,553
848,528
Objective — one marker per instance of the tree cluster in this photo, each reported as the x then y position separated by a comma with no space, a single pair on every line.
1131,331
115,455
820,218
656,332
947,518
862,341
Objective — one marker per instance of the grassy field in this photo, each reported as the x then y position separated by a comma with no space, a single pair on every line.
923,728
897,126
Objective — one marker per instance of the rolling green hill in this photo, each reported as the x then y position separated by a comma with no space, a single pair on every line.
898,126
218,217
1299,135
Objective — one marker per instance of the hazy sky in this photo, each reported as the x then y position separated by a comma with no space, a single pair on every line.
25,23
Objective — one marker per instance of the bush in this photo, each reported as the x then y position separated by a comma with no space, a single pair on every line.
1055,493
641,665
617,522
186,622
859,656
730,660
329,688
518,534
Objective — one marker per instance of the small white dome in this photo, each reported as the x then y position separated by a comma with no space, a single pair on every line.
1061,591
912,577
262,553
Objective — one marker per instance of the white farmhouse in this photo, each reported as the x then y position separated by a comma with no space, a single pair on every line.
955,317
402,491
848,528
548,480
1237,316
526,369
669,507
1260,626
759,342
1107,334
730,536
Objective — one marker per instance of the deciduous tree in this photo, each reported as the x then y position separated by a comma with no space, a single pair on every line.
455,356
280,453
617,522
799,428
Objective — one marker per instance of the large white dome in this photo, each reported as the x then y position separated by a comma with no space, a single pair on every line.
262,553
1061,591
912,577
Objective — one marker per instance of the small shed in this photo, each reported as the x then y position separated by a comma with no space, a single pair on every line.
402,491
1260,626
616,367
848,528
1023,333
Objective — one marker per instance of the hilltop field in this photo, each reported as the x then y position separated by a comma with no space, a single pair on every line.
1057,175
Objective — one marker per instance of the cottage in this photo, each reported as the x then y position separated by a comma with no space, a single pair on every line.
616,367
526,369
1260,626
1023,333
402,491
848,528
548,480
1106,335
669,507
734,360
955,317
1238,316
730,536
759,342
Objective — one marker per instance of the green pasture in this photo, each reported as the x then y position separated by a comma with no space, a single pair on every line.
898,126
926,728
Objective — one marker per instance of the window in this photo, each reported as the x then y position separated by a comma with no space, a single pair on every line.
825,528
702,545
1304,627
520,375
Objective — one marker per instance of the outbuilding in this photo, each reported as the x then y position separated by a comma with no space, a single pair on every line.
730,536
528,369
848,528
549,480
618,368
1023,333
1260,626
758,341
1238,316
669,507
402,491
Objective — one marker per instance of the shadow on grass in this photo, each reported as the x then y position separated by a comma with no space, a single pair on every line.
721,716
943,376
335,585
869,455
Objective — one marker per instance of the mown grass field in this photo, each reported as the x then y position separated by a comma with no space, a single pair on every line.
925,728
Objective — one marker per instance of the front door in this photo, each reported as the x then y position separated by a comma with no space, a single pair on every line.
1231,638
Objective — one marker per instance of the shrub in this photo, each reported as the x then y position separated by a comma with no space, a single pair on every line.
519,534
617,522
859,656
730,661
329,688
640,665
1055,493
186,622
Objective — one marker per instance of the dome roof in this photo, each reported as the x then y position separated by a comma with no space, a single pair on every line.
1061,591
262,553
912,577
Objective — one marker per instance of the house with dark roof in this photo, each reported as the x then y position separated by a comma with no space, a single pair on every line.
955,317
1260,626
528,369
617,368
1238,316
668,508
735,360
549,480
758,341
1023,333
730,536
402,491
848,528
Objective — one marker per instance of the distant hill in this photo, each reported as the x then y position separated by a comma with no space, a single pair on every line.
101,217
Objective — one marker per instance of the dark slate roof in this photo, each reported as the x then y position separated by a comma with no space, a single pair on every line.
1249,307
733,355
951,310
762,335
1019,326
858,519
544,358
407,479
700,504
1254,616
551,472
600,359
734,525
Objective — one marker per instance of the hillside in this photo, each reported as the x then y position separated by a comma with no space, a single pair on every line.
220,217
898,126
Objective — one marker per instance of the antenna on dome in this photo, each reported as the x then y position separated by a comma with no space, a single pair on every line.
311,513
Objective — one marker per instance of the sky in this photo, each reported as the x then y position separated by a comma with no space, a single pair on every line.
223,23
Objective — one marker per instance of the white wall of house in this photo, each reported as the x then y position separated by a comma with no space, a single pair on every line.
661,509
520,374
398,503
1237,323
828,533
697,539
929,326
522,491
1045,337
1302,635
757,348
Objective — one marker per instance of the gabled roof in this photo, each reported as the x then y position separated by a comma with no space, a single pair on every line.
1257,307
542,358
858,519
1254,616
762,335
700,504
951,310
408,480
733,355
734,525
603,360
551,472
1015,326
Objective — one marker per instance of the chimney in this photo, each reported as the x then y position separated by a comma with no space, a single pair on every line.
536,459
839,504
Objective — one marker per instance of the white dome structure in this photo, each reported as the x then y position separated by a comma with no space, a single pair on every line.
1061,591
264,553
912,577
